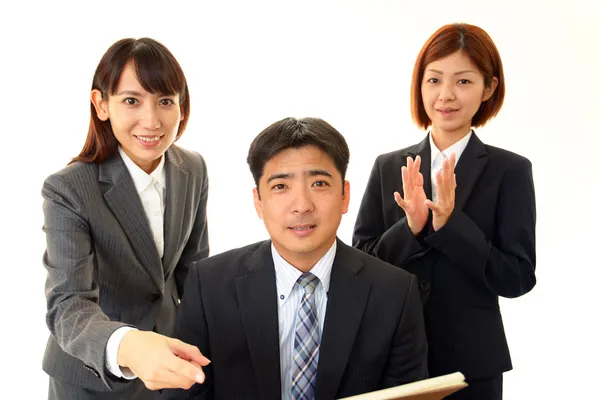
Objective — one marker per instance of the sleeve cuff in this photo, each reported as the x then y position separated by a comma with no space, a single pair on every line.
112,350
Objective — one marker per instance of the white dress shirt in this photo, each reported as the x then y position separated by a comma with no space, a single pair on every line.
289,296
438,157
151,189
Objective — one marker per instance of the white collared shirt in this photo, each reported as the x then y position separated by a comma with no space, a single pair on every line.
289,296
438,157
151,189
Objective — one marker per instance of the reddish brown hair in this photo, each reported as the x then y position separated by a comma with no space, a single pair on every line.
157,71
479,47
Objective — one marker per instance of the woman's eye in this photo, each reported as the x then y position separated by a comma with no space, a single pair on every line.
131,101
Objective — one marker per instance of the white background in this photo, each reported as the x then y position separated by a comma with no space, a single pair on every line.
250,63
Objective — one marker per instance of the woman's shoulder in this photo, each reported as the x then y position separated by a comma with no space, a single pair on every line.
499,154
75,172
399,156
190,160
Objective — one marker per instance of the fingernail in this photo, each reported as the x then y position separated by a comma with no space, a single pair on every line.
200,377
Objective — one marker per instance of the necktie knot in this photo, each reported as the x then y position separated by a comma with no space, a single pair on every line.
308,282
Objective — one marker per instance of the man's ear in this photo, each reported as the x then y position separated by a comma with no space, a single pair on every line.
346,197
257,203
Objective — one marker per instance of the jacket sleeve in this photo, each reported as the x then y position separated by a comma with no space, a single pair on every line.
395,244
506,262
74,317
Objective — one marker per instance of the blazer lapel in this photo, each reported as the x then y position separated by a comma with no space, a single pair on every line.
346,301
423,149
175,207
468,169
257,297
124,201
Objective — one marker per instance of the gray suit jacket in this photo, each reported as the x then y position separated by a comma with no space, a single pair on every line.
104,271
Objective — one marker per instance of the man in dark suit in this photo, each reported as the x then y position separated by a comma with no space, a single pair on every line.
301,316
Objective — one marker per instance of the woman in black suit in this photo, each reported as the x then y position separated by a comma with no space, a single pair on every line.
457,213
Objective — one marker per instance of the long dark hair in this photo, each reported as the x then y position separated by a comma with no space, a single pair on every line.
157,71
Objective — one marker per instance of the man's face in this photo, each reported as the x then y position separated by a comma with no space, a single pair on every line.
302,199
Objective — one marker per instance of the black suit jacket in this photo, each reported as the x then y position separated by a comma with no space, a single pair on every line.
373,334
485,250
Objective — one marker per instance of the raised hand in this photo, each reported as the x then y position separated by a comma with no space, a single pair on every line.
414,199
446,187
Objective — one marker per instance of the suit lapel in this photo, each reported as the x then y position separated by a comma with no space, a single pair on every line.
423,149
124,201
257,297
175,207
346,301
468,169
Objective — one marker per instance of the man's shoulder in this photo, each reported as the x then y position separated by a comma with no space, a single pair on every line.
378,271
235,261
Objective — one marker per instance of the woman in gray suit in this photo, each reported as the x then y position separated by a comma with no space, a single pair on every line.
124,221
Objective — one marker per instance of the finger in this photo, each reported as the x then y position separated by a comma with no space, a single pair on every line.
410,166
406,182
417,165
445,187
409,163
185,369
419,180
454,182
452,161
169,380
399,200
441,189
188,352
446,173
433,207
451,166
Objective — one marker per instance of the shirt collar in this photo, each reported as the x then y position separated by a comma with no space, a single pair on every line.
141,179
287,275
457,148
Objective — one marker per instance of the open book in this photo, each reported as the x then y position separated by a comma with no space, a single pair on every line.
429,389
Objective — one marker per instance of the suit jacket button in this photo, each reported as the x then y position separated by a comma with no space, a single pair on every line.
425,285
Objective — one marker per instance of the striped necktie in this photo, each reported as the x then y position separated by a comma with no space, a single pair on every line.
306,342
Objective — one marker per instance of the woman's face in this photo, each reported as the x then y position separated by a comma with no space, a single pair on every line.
453,89
145,124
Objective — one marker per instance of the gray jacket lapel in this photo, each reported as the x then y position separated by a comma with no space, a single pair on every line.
175,207
124,201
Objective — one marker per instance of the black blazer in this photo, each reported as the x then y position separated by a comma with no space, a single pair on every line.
485,250
373,334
